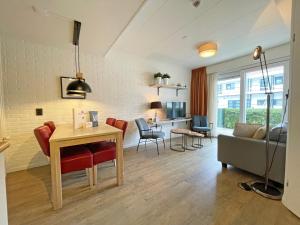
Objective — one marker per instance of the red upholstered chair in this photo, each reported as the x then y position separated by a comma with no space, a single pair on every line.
73,158
106,150
110,121
51,125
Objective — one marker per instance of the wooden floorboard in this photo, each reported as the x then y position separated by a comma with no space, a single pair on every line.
188,188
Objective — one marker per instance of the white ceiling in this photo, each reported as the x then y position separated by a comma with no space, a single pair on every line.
172,29
102,21
160,29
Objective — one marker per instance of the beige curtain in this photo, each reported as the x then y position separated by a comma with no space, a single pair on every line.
199,92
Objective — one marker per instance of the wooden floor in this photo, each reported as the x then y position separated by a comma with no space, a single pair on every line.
175,188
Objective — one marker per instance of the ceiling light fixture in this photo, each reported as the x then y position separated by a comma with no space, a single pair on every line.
208,49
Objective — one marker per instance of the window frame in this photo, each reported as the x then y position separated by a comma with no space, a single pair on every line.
243,83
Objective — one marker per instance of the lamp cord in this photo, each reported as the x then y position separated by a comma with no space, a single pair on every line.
280,131
75,59
78,58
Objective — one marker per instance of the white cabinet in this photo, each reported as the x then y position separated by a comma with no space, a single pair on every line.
291,197
3,201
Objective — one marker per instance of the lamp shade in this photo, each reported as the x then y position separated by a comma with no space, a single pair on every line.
208,49
78,87
155,105
257,52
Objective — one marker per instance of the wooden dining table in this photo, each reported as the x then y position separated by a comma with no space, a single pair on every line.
66,135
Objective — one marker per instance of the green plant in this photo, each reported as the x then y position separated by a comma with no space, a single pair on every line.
227,117
157,75
166,76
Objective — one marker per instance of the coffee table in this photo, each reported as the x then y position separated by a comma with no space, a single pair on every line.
185,134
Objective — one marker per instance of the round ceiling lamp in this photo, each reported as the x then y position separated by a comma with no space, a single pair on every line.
208,49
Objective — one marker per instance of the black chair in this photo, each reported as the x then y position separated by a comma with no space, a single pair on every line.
147,134
200,124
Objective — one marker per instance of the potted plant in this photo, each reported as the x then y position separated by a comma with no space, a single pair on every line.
157,78
166,78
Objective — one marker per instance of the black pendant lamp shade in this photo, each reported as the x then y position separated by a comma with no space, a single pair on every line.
78,86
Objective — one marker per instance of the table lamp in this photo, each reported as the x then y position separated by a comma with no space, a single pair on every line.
155,105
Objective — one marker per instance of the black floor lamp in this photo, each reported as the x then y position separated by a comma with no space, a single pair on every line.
264,188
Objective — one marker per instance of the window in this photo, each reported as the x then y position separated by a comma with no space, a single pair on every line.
230,86
262,84
277,102
248,104
219,88
261,102
278,80
234,104
256,110
228,103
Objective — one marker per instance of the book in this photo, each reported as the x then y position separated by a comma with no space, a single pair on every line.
94,118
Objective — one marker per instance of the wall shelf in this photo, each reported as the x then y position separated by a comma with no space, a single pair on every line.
175,87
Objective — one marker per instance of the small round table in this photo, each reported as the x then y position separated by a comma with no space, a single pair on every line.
185,134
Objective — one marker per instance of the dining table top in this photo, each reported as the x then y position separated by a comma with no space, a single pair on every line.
67,132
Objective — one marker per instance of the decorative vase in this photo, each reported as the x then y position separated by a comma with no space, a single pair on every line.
166,81
158,80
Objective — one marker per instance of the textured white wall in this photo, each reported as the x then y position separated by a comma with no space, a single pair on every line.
120,85
2,113
291,197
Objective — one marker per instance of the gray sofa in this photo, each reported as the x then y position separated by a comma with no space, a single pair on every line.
249,154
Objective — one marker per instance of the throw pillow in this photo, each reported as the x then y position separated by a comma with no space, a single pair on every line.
276,135
260,133
245,130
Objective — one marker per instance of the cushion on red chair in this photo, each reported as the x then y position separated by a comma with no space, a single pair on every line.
75,158
105,150
110,121
51,125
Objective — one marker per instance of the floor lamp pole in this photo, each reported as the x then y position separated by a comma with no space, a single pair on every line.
264,188
267,140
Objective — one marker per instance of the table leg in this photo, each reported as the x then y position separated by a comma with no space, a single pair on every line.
120,160
55,176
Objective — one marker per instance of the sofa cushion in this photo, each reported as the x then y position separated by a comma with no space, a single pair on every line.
245,130
260,133
276,135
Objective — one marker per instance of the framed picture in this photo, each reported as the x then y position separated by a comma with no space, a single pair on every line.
64,82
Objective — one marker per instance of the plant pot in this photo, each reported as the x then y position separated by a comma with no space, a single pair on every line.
158,80
166,81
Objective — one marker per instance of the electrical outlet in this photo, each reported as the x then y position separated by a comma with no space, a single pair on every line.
38,111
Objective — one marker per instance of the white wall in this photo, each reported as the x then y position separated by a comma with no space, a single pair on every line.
291,196
273,55
2,114
120,85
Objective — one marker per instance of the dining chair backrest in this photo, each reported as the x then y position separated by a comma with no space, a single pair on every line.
122,125
43,134
110,121
142,125
200,121
51,125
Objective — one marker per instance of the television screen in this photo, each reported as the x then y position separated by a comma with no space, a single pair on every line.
176,110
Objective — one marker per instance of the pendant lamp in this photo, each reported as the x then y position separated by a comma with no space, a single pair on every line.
79,86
